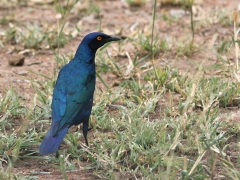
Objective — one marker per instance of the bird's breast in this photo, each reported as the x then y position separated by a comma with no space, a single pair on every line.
88,81
90,78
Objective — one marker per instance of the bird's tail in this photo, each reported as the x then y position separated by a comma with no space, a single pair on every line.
50,144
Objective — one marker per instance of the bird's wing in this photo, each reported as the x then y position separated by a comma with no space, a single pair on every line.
69,98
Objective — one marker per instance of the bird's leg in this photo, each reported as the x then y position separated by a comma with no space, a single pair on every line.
85,137
57,154
85,131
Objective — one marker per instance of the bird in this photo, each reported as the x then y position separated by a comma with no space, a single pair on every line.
72,98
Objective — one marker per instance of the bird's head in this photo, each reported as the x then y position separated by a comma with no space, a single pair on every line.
96,40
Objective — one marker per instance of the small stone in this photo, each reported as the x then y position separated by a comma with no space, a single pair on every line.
177,13
22,73
16,60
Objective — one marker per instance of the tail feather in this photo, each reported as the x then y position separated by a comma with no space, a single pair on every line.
50,144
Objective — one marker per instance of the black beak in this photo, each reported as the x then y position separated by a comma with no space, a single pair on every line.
112,38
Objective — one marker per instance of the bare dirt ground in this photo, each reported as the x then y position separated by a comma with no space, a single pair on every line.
117,18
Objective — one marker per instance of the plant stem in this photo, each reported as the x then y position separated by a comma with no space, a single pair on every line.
191,14
235,19
153,23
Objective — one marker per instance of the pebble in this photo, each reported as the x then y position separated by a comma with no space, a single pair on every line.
15,59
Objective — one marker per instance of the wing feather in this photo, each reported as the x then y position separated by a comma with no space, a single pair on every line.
69,98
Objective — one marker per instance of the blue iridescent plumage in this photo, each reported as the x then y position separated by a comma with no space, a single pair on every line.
73,93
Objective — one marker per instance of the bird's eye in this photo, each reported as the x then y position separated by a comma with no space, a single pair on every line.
99,38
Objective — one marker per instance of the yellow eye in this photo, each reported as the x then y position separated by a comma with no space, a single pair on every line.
99,38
